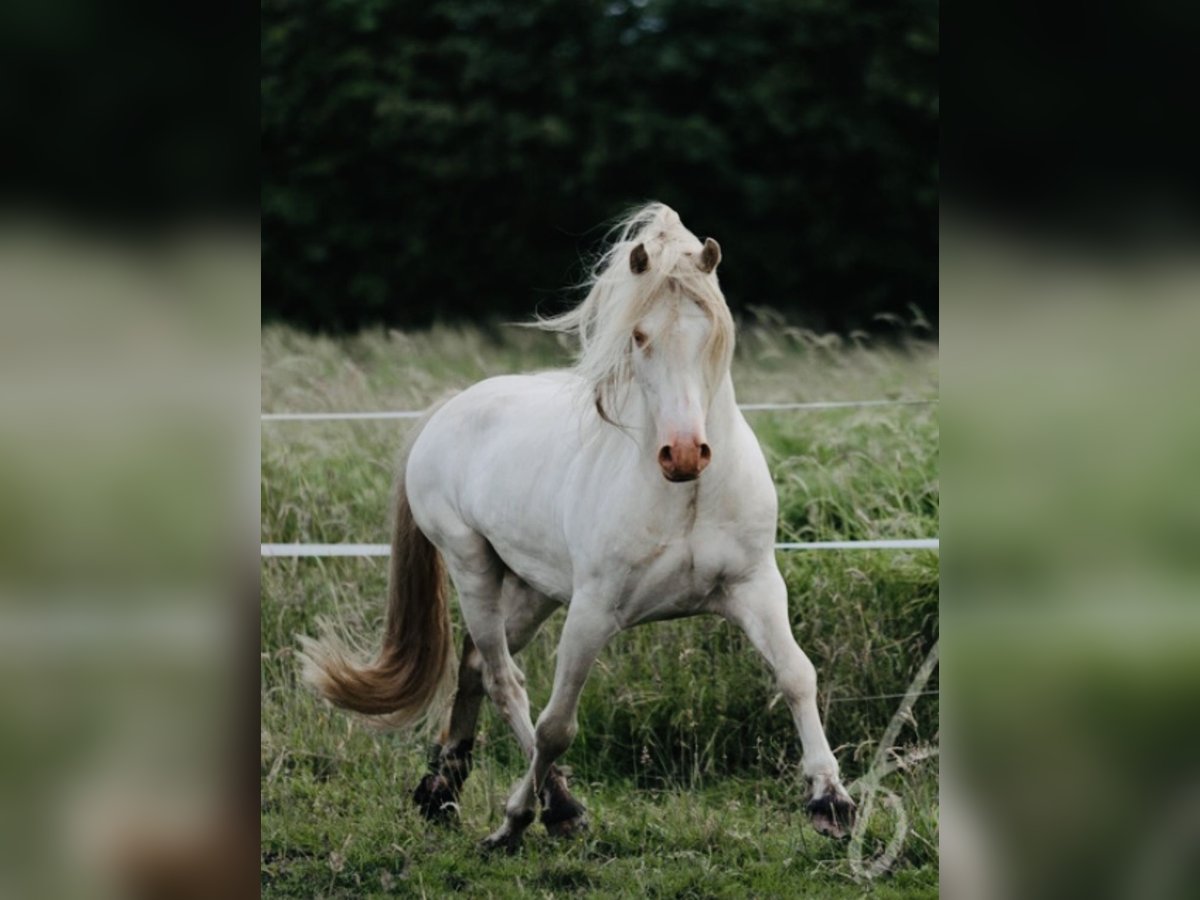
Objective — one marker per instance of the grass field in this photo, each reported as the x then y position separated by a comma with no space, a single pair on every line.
686,756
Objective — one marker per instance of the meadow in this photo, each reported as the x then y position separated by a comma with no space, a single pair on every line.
686,755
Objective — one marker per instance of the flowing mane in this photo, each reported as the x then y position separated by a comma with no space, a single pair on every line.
617,299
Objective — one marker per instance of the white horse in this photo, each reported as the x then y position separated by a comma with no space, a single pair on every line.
628,489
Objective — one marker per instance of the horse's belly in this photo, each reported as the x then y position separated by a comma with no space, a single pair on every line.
546,572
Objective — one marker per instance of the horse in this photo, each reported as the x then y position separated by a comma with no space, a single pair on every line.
628,489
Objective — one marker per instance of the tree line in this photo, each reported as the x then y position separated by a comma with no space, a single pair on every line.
432,161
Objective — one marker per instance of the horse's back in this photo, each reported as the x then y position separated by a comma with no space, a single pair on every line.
499,410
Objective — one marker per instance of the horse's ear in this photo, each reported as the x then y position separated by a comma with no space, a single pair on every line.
709,256
639,259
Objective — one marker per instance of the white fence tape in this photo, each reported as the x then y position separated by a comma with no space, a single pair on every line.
333,417
297,551
745,407
899,544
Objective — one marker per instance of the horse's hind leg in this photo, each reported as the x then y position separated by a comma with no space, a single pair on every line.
436,795
450,763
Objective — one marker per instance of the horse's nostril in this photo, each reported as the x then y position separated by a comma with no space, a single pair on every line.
705,452
664,456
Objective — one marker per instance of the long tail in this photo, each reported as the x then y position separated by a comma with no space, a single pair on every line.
412,676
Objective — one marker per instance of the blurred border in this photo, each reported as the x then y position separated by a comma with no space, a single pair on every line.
129,272
1070,274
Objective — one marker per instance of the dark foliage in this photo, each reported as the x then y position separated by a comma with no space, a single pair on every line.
428,161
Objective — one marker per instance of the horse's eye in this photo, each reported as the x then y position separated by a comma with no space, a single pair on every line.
639,337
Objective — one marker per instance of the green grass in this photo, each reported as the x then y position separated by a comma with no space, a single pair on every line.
686,755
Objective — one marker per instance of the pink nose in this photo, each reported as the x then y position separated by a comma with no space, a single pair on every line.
684,460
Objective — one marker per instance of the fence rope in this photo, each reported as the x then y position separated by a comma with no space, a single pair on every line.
308,551
745,407
837,699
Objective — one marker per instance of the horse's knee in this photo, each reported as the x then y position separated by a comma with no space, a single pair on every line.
504,688
495,683
798,680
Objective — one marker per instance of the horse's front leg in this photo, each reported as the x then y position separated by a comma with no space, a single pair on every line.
759,607
587,629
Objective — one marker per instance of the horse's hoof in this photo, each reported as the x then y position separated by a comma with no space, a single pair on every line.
436,800
508,836
833,814
566,828
562,814
501,840
565,817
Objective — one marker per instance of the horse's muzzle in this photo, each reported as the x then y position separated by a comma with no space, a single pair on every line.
684,460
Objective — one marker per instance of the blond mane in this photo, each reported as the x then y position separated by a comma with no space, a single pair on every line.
617,299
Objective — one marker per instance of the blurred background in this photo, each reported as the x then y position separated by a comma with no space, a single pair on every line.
429,162
1070,300
129,302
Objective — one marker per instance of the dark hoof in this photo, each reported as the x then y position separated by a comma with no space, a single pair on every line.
502,841
832,815
436,800
562,814
566,828
508,836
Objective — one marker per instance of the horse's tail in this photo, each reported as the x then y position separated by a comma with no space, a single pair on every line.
411,678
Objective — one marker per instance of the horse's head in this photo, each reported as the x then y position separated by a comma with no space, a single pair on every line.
655,324
671,347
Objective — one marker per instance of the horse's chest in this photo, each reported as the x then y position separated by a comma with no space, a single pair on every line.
679,576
